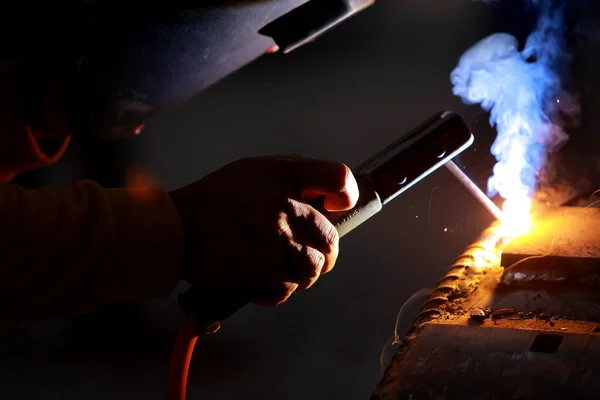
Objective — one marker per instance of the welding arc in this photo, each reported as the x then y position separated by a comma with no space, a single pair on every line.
474,189
181,359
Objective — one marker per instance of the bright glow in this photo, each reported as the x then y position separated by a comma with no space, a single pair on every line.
523,91
516,219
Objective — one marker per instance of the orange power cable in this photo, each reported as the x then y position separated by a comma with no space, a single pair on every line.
181,359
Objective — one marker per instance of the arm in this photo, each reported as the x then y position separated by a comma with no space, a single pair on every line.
67,252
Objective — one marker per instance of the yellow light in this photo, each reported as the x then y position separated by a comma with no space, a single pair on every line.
516,218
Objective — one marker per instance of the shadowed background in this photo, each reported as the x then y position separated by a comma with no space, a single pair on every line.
342,98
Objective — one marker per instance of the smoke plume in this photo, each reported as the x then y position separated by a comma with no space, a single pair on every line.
523,91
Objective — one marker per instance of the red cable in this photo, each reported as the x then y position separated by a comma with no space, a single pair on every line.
181,358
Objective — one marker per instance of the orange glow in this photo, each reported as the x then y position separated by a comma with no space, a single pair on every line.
516,219
141,185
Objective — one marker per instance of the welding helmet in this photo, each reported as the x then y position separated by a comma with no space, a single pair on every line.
137,59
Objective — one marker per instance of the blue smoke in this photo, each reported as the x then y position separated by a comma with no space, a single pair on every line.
523,91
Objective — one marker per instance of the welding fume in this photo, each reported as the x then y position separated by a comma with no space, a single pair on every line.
525,89
283,215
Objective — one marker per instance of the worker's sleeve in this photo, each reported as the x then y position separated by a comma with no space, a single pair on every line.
27,143
65,252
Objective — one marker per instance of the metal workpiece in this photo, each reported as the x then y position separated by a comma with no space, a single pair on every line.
556,266
530,331
463,362
464,274
562,236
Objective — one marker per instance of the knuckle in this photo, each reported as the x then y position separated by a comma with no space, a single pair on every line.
313,216
313,262
331,235
312,268
281,204
289,288
293,207
329,264
285,209
297,209
284,292
282,223
316,261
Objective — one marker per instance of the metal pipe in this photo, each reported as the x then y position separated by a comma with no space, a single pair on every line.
474,189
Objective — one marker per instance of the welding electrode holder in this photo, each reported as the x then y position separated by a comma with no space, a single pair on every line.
380,179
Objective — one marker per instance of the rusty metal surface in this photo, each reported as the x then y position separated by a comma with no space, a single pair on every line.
464,276
473,336
564,235
458,361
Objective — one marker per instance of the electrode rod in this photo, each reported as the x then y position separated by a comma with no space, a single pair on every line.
474,189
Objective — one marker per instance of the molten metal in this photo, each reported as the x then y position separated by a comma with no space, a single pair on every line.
516,216
565,236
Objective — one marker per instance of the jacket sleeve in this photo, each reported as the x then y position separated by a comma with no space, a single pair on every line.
66,252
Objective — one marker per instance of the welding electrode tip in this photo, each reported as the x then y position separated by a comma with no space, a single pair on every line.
474,189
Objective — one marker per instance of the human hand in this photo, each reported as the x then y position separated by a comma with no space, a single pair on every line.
248,224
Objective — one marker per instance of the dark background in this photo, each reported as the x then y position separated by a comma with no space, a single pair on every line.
342,98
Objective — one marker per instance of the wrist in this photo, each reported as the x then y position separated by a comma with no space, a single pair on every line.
188,265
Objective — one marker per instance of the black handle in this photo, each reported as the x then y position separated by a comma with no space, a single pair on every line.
368,205
214,305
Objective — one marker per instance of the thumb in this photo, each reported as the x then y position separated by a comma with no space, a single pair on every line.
332,180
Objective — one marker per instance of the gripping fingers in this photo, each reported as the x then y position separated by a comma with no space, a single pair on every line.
305,266
307,246
310,227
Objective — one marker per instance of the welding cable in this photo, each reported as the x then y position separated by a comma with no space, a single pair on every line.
401,319
181,358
